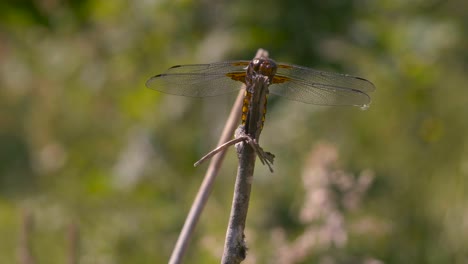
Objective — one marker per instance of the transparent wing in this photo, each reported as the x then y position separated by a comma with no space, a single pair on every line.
322,88
200,80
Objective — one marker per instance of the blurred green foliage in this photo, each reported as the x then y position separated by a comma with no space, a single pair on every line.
83,141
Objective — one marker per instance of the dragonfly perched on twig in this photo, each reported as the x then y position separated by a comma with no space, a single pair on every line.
287,80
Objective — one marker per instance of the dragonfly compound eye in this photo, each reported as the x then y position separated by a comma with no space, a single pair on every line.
263,66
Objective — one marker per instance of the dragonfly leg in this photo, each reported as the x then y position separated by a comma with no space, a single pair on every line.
265,157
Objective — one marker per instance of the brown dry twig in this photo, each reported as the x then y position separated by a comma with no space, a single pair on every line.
207,184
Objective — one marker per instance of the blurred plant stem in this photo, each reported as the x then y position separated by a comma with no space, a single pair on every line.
24,249
73,238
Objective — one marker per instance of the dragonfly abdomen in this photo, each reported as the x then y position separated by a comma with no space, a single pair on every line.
246,107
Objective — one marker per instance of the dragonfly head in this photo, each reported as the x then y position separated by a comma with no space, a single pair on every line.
263,66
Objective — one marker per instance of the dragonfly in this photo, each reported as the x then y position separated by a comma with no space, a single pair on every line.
290,81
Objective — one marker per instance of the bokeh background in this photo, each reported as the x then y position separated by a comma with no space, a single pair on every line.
96,168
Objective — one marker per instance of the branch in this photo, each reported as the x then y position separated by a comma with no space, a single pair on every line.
207,184
235,249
